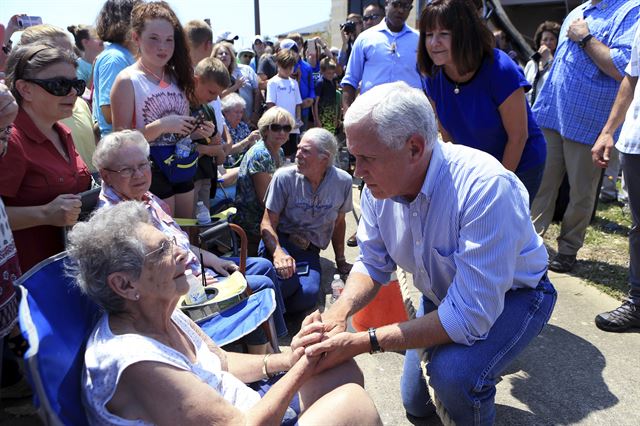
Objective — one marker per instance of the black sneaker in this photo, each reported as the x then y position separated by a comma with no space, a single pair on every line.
562,263
620,319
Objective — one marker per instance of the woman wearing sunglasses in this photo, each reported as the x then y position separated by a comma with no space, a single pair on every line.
80,123
256,169
42,172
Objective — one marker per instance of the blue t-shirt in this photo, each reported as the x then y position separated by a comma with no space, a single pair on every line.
113,59
472,117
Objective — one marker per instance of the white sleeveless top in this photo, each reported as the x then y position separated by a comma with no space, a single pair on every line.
108,355
154,102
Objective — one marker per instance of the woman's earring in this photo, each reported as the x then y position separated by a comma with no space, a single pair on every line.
137,296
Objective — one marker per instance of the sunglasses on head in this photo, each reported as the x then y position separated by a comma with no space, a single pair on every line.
370,17
279,127
59,86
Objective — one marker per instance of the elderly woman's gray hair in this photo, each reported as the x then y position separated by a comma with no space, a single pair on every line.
108,147
324,141
108,242
231,101
395,112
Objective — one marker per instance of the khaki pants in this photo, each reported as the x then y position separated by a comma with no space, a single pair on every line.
564,155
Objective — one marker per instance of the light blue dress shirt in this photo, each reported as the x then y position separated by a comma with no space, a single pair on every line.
577,97
467,239
381,56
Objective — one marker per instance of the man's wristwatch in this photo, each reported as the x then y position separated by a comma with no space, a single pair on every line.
373,340
583,43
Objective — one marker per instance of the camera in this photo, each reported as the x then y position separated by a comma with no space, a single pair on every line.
348,27
28,21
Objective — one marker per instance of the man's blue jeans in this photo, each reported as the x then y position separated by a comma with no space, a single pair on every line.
464,377
300,292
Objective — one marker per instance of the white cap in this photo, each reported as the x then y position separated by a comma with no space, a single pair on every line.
227,36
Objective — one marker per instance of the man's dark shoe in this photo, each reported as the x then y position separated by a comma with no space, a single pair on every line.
620,319
352,242
562,263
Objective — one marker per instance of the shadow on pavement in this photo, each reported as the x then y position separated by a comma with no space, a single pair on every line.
559,378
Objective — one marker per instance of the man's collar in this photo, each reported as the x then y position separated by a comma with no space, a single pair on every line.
433,170
382,26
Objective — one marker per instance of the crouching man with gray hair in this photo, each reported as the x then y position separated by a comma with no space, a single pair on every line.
459,222
305,209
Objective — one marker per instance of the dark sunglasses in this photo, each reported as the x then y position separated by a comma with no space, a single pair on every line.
59,86
401,5
370,18
278,127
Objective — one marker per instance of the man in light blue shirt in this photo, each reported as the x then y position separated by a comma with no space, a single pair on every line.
459,222
383,54
573,105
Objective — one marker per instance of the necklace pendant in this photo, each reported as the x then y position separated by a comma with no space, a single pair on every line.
163,84
456,90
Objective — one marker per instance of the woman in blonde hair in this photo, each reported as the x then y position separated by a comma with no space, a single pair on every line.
89,47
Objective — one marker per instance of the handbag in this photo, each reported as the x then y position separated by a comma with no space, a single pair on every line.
176,169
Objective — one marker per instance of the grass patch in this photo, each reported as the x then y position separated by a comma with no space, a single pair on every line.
603,260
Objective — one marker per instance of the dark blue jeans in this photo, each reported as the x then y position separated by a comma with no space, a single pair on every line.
260,275
464,377
300,292
631,170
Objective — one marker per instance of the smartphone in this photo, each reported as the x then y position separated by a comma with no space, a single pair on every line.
28,21
311,45
302,268
89,201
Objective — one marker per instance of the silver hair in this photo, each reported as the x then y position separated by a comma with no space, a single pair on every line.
324,141
394,111
108,242
231,101
109,146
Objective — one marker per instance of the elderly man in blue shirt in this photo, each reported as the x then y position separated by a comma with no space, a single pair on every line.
459,222
383,54
573,105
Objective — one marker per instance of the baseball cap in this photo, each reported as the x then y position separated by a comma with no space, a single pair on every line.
258,37
247,50
227,36
287,43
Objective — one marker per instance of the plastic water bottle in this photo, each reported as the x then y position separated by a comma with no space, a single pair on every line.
196,294
183,147
337,285
202,214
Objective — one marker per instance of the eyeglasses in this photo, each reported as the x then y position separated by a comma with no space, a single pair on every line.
279,127
59,86
166,246
127,172
368,18
400,5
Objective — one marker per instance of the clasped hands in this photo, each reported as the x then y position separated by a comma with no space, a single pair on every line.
324,342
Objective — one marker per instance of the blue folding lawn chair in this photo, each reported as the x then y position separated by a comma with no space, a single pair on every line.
56,320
